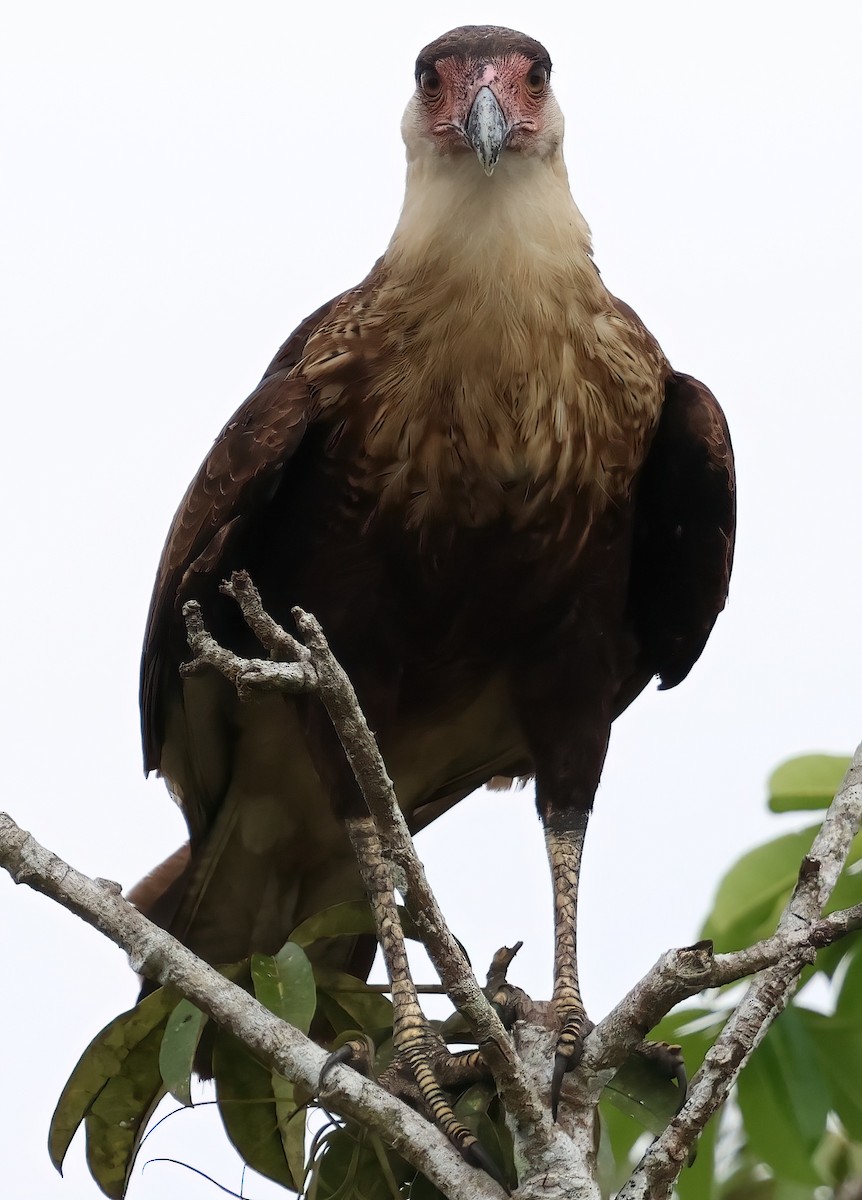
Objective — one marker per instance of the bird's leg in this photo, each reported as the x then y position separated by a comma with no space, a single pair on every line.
565,696
422,1060
565,843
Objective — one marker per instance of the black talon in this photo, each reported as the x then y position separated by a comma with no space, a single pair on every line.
476,1155
354,1053
342,1055
561,1066
669,1061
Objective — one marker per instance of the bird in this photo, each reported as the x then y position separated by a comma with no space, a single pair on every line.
480,473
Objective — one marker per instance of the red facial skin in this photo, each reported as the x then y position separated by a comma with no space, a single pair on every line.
447,94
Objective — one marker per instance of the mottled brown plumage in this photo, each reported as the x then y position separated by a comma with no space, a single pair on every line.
480,473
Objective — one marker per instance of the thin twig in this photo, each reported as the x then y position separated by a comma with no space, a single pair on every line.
281,646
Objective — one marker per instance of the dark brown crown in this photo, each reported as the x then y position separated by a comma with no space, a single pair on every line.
481,42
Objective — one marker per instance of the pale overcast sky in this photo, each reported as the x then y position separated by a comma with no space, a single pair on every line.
182,183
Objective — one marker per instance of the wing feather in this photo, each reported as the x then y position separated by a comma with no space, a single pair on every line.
684,530
239,475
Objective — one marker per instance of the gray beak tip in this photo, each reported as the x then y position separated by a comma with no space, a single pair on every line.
487,129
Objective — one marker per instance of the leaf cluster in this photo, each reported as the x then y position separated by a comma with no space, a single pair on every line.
794,1126
154,1049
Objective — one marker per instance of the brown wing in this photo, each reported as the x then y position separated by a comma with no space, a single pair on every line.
240,473
685,521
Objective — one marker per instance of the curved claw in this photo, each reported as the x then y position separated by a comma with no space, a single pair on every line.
570,1048
669,1061
355,1053
562,1063
476,1155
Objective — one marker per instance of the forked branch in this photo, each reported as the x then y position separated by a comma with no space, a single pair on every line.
161,958
800,930
553,1164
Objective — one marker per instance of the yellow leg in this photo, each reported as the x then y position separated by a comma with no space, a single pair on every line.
565,847
417,1045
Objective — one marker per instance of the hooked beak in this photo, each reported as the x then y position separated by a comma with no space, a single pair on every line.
487,128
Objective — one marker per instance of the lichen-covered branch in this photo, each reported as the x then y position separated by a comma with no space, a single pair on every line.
681,974
315,669
312,667
678,974
555,1161
161,958
767,996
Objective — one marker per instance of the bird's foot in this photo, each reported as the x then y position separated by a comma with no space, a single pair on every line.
422,1068
669,1061
570,1047
356,1052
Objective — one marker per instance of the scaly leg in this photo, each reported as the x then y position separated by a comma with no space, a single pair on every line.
418,1047
565,697
565,843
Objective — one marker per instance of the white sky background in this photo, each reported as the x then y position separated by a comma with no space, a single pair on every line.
182,183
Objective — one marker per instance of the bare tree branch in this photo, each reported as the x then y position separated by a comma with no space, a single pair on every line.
765,999
319,672
678,974
161,958
681,974
555,1162
540,1142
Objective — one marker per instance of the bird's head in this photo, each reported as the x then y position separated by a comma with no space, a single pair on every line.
483,90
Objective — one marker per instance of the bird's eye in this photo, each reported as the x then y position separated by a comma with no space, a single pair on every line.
430,83
537,79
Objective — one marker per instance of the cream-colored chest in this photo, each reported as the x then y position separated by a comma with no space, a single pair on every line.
500,417
487,367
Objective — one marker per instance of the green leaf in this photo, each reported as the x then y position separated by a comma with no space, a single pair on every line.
648,1100
348,1003
619,1132
177,1051
497,1115
693,1029
808,782
847,892
349,1168
336,1166
784,1099
284,983
348,919
247,1106
639,1090
473,1108
475,1100
754,891
751,894
849,1001
456,1030
118,1116
102,1061
293,1140
385,1162
697,1180
838,1046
